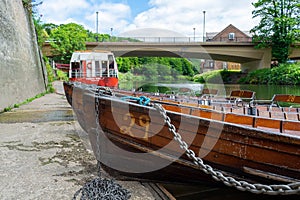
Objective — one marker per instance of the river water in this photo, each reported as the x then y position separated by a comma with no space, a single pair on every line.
262,91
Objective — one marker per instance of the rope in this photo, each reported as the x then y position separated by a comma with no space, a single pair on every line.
142,100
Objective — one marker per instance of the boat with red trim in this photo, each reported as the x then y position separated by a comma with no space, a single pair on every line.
94,67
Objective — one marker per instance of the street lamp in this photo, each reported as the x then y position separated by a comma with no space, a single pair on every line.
97,26
194,34
204,26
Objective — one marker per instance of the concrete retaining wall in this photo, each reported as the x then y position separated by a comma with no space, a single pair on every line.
21,69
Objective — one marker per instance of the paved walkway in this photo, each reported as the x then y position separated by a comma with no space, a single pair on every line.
42,156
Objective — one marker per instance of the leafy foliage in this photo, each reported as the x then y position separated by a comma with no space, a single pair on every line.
279,26
30,5
48,27
164,68
260,76
285,74
42,35
216,76
94,37
50,75
66,39
61,75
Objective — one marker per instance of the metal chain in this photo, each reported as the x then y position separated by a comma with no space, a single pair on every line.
97,105
101,188
288,189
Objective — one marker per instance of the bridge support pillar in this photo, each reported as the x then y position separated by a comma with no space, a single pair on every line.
264,62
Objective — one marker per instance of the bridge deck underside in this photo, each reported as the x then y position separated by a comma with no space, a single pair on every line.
199,55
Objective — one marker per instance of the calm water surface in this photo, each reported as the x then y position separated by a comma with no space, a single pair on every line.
262,91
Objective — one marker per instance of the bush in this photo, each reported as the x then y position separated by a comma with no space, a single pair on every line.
128,76
62,76
260,76
285,74
50,75
216,76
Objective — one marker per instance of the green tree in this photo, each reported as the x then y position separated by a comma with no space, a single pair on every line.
278,27
124,64
187,67
42,35
149,71
66,39
49,27
93,37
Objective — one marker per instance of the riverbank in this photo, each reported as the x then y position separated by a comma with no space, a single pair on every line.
284,74
45,155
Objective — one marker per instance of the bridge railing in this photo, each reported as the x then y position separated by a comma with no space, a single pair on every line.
235,39
175,39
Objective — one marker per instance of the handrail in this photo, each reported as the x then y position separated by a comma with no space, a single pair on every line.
176,39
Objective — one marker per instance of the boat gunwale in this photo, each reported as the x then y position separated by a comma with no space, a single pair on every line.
205,120
288,135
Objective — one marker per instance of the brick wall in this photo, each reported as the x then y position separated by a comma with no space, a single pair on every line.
239,36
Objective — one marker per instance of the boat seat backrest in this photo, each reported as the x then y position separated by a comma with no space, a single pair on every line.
210,91
242,94
285,98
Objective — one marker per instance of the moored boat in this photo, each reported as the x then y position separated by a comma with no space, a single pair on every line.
94,67
164,142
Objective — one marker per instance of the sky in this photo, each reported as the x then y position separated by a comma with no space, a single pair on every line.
117,17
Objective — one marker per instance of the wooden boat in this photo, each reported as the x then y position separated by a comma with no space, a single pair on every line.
94,67
186,144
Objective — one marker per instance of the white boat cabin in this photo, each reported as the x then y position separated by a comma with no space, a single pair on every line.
89,65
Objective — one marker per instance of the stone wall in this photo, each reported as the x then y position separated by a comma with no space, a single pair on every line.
22,72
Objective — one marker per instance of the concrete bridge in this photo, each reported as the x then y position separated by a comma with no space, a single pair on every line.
240,52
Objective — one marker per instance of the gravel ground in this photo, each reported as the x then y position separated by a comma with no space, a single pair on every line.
43,153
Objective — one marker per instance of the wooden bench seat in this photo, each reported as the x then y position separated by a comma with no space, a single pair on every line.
277,99
236,97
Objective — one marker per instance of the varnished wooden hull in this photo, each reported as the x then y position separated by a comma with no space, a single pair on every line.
132,140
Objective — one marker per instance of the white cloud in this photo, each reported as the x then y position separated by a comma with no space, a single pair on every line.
180,15
184,15
61,10
111,15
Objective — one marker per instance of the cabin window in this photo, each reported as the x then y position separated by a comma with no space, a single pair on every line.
75,70
97,68
104,68
111,66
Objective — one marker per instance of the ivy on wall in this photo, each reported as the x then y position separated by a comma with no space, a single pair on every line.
30,4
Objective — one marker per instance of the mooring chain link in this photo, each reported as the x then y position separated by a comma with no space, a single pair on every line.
288,189
101,188
97,105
